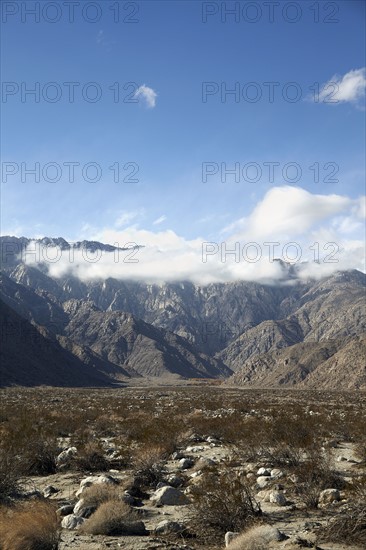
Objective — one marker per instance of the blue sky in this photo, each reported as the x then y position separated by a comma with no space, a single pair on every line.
173,52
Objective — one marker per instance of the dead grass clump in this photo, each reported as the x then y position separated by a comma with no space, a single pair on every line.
113,518
9,476
223,502
349,526
150,466
314,475
34,526
97,494
90,458
257,537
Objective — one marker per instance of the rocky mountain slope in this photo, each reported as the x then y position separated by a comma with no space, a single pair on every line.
190,331
339,363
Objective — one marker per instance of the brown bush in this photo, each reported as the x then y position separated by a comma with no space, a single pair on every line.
99,493
149,466
314,475
90,458
34,526
113,518
9,476
223,502
349,526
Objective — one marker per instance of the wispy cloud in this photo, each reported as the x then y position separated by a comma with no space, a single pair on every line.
125,218
160,220
148,95
342,89
325,228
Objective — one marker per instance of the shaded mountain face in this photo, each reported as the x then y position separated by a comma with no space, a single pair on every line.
30,356
187,330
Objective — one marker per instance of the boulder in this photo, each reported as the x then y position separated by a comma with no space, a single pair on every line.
262,481
72,522
169,496
328,496
186,463
66,455
277,497
263,472
167,527
49,490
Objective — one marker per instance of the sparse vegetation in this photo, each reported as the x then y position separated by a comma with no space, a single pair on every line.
29,526
113,517
137,430
223,502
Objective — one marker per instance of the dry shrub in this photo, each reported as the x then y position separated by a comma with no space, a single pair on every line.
256,538
97,494
349,526
149,466
314,475
31,444
9,476
113,518
90,458
34,526
223,502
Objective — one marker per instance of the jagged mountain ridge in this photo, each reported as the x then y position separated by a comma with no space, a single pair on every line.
230,322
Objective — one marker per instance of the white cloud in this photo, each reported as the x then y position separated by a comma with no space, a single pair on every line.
287,212
126,217
147,94
347,88
325,228
160,220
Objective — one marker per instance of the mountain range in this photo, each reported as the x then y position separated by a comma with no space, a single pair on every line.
107,331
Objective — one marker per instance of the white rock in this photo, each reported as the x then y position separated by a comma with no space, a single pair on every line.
186,463
329,495
229,537
276,497
195,449
262,481
66,455
264,495
263,472
276,473
72,522
78,506
169,496
167,527
92,480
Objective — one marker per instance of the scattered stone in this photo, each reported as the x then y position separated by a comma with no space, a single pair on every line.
263,472
177,455
277,497
276,473
66,455
262,481
175,481
167,527
169,496
50,490
195,449
328,496
92,480
72,522
186,463
229,537
83,511
264,495
65,510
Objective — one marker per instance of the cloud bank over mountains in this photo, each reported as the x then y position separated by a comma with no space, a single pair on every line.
321,234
